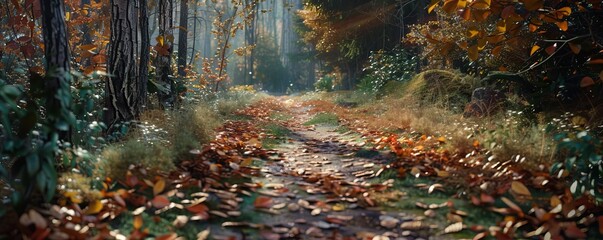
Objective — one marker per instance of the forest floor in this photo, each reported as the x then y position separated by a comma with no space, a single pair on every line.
301,167
323,181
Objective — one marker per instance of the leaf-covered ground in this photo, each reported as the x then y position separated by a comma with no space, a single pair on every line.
295,169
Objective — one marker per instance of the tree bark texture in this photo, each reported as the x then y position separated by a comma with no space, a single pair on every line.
250,39
58,78
145,44
183,38
163,62
123,96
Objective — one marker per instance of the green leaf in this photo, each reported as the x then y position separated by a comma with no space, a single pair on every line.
33,164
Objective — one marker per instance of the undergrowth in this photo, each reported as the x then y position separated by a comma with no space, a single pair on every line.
330,119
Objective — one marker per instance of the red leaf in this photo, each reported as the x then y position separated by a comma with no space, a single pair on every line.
485,198
586,81
199,208
169,236
262,202
572,231
160,201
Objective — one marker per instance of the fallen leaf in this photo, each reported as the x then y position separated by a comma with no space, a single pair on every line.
94,207
203,235
159,186
160,201
454,228
180,221
169,236
262,202
137,222
520,189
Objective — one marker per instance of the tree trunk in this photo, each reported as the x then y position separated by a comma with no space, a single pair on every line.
166,85
183,38
58,76
145,44
190,62
123,97
250,36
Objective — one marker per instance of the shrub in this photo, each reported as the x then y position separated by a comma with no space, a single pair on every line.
117,159
383,66
582,158
325,83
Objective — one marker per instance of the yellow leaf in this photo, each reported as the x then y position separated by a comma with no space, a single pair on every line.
534,49
94,207
472,32
87,47
137,222
67,16
432,5
159,40
461,4
481,43
501,26
575,47
520,189
338,207
159,186
473,53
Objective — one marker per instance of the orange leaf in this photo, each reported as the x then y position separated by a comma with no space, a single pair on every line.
595,61
564,11
432,5
461,4
496,50
501,26
159,186
534,49
586,81
262,202
137,222
473,53
87,47
575,47
94,207
450,6
562,25
198,208
160,201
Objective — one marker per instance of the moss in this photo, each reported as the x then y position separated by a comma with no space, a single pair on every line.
192,127
323,119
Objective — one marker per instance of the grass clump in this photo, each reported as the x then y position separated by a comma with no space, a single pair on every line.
323,119
117,159
192,127
277,135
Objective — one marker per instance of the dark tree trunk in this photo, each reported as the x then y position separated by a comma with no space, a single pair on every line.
190,62
183,38
123,95
58,76
163,62
145,44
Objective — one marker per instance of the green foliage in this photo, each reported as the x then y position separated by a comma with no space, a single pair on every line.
117,159
383,66
325,83
29,143
323,119
582,153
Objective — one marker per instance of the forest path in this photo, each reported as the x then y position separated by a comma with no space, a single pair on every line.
322,187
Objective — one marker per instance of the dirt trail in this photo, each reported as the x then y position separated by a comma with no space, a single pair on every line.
321,189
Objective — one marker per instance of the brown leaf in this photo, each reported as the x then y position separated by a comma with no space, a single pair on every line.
586,81
572,231
262,202
160,201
